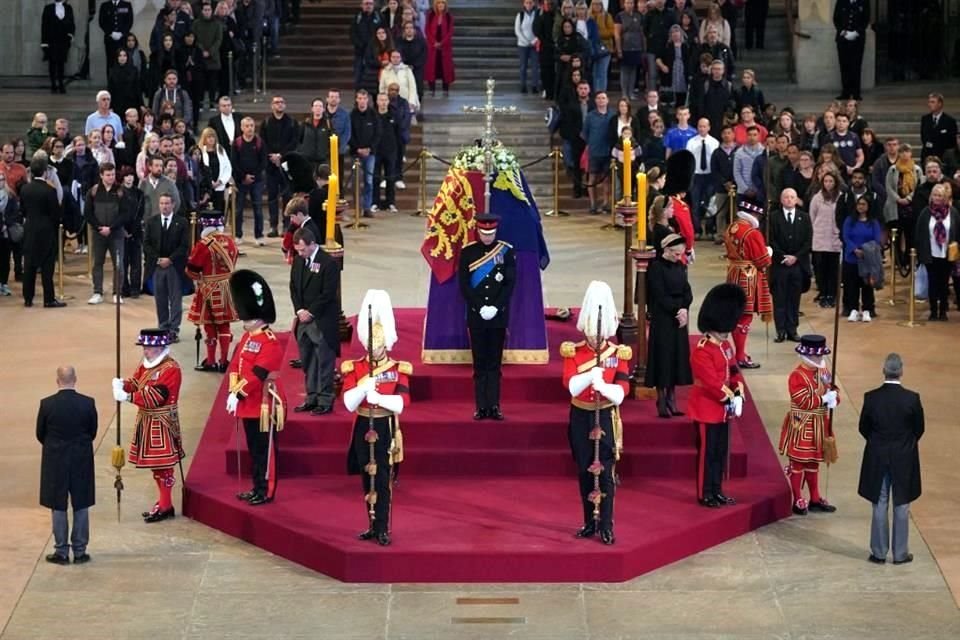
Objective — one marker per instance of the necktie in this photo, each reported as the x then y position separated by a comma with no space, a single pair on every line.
703,155
166,223
790,217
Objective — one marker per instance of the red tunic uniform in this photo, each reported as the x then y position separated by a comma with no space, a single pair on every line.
156,439
615,359
257,355
716,380
748,260
211,262
807,423
681,213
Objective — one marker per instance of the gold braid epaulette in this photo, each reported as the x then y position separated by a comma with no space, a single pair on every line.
624,352
404,367
568,349
346,366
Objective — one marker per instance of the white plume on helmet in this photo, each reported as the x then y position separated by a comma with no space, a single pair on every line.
598,295
377,301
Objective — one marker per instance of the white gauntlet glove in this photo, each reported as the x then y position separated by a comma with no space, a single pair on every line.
118,393
232,402
830,399
488,312
737,405
373,397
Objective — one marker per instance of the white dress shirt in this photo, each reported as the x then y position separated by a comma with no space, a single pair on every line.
694,145
228,126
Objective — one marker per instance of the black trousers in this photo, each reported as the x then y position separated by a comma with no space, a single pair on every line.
581,446
261,458
755,22
787,284
386,168
359,457
133,266
55,67
851,64
45,265
856,291
486,345
825,265
712,447
938,273
548,72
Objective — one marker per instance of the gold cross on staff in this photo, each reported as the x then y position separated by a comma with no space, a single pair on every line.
489,110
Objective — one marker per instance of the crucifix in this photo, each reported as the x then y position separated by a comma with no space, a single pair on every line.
489,137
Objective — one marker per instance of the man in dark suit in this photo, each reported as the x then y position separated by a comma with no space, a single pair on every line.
487,274
56,36
892,424
116,21
41,213
573,113
166,243
938,130
314,282
66,427
226,124
791,237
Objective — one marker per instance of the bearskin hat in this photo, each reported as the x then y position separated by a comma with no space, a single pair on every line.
252,297
721,308
680,168
300,173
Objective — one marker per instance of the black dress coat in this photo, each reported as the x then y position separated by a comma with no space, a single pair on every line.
668,351
315,289
174,244
892,423
41,214
937,139
921,237
495,289
66,427
57,35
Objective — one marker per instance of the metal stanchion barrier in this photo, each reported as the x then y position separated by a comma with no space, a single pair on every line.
894,300
193,228
232,209
357,194
230,72
60,266
556,211
256,71
422,211
911,320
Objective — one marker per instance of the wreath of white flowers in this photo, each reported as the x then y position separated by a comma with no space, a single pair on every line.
473,158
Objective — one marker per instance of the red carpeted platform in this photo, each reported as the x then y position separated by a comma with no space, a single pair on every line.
483,501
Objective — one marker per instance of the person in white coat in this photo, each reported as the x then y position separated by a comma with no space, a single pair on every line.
215,169
527,45
399,73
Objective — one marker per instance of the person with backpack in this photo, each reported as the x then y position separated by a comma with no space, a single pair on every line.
249,164
717,98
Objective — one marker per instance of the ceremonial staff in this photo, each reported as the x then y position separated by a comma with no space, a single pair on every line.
596,468
117,456
371,435
830,444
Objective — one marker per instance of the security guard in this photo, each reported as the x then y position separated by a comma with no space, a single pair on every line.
116,21
487,273
851,19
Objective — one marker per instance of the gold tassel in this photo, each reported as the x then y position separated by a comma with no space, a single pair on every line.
830,452
396,447
118,458
264,417
617,433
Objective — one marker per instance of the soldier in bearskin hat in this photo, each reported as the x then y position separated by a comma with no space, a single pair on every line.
748,259
254,395
806,437
210,264
680,168
155,389
377,388
718,391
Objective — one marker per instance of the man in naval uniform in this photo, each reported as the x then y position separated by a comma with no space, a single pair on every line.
851,19
487,274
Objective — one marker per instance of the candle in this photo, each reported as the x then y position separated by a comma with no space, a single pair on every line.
335,155
642,210
333,192
627,170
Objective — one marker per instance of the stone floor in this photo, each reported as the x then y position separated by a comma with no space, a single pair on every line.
800,578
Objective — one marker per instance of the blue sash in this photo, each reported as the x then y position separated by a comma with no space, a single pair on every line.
482,267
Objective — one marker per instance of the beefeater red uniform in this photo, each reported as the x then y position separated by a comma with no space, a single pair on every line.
260,403
210,264
748,261
716,382
157,443
806,427
579,358
392,377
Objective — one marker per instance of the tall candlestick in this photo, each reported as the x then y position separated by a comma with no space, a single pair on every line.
335,155
627,170
642,210
333,192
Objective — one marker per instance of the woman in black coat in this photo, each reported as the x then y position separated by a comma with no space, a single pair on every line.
668,304
932,238
571,45
123,83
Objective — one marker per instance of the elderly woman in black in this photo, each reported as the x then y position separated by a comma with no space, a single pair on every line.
668,304
937,228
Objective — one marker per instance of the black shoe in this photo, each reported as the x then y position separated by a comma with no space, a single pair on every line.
495,413
296,364
206,366
748,364
781,337
156,507
56,558
29,303
175,337
273,234
799,511
383,539
606,537
320,411
159,516
83,558
259,499
709,501
306,406
56,304
907,558
662,410
722,499
587,531
480,414
875,560
823,506
246,495
223,366
793,337
931,318
942,316
366,535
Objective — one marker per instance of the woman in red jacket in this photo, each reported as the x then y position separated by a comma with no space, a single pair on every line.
439,33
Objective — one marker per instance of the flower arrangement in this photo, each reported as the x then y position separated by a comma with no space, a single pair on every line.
473,158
